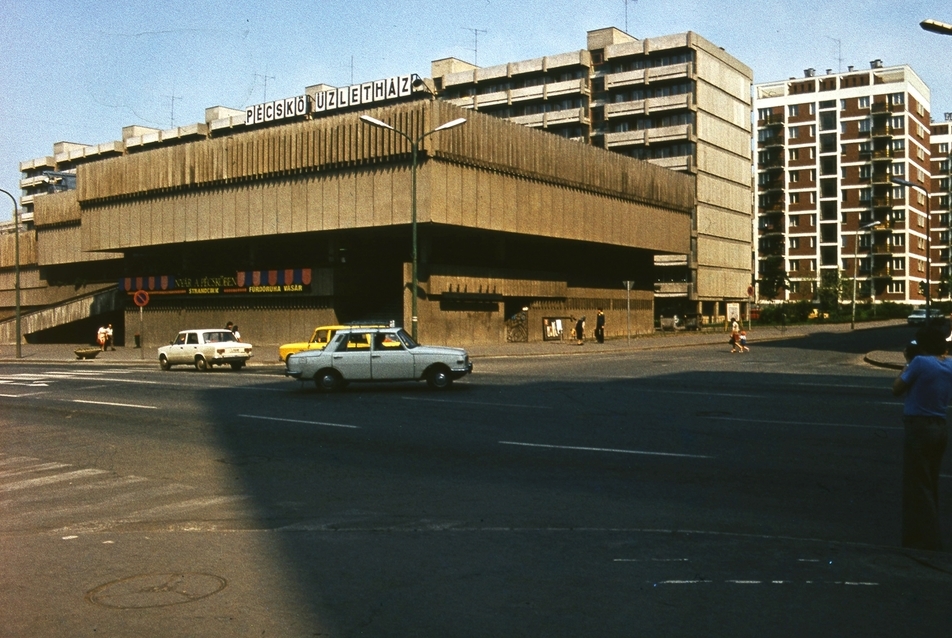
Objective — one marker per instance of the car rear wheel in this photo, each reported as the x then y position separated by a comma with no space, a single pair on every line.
328,381
202,365
164,363
439,378
237,365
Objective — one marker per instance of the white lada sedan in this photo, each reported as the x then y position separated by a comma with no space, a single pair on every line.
204,349
378,354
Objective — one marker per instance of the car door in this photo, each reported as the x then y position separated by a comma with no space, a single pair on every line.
176,350
390,360
352,356
191,347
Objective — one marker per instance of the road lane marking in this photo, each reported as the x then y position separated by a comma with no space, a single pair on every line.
118,405
600,449
832,425
274,418
48,480
42,467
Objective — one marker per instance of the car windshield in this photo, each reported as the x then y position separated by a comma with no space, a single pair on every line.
407,340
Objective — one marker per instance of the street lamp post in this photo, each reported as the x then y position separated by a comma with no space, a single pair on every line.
918,187
414,149
16,265
856,268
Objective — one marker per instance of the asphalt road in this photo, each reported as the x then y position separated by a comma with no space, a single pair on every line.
679,492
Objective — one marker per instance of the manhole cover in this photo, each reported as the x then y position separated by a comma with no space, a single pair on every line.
155,590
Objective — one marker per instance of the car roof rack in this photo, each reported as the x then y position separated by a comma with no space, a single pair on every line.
371,324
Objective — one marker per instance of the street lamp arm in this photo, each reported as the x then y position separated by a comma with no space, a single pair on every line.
936,27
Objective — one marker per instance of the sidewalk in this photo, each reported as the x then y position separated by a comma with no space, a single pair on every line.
268,355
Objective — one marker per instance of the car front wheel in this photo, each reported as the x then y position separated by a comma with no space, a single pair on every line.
164,363
439,378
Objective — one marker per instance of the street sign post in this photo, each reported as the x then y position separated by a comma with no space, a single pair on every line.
141,299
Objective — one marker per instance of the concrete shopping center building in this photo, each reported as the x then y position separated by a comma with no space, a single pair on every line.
296,213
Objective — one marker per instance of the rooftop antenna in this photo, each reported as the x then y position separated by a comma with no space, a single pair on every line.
839,53
626,13
265,78
172,98
476,33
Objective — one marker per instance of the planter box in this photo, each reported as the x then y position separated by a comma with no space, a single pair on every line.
87,353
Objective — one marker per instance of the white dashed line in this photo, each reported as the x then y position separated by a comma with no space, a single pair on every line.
272,418
117,405
600,449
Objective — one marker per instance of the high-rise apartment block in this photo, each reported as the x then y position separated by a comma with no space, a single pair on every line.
831,152
677,101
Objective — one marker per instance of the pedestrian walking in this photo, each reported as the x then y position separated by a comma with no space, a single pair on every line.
600,326
110,344
926,382
101,338
735,337
743,341
580,330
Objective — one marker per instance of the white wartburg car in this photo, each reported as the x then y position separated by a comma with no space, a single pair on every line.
378,354
204,349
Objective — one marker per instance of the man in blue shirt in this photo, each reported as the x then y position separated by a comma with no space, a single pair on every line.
927,383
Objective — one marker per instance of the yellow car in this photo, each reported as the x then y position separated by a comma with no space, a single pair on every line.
321,337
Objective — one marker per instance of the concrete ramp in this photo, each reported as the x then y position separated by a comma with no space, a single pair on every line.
64,312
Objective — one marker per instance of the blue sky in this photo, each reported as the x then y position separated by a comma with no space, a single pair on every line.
78,71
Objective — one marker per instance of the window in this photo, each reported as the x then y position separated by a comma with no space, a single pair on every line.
811,107
794,264
793,154
864,102
827,121
793,110
794,221
896,122
764,114
898,169
899,263
794,243
897,240
865,125
897,98
842,105
899,145
794,176
794,198
865,194
944,148
897,287
865,171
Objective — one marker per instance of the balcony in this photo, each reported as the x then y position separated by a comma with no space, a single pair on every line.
680,163
885,130
884,108
647,76
553,118
883,154
651,105
671,289
643,137
772,140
